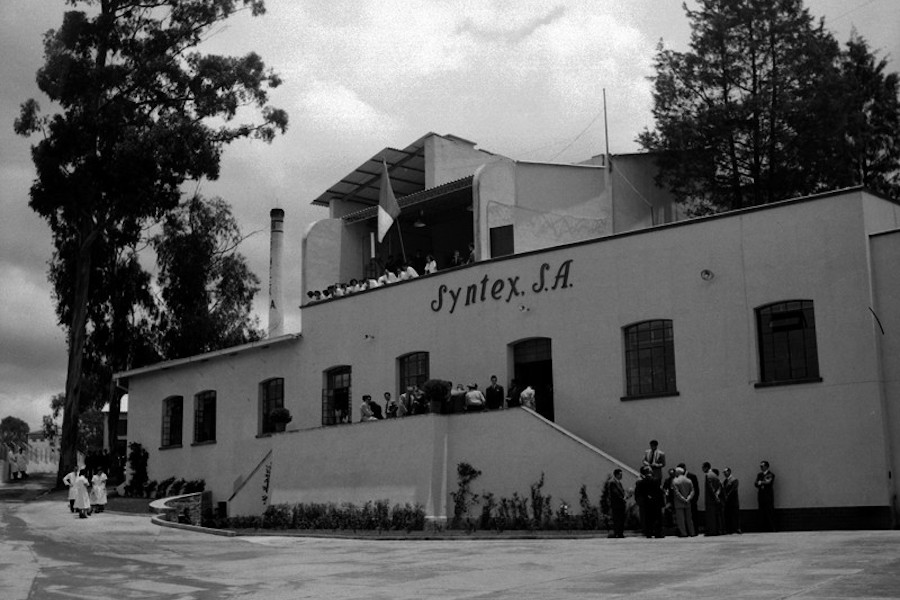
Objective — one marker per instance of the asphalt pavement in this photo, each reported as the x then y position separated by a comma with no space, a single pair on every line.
47,553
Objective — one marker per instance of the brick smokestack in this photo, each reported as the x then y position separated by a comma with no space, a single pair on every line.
276,298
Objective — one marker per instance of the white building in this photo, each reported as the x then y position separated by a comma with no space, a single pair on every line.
765,333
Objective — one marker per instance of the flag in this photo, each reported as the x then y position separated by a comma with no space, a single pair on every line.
388,209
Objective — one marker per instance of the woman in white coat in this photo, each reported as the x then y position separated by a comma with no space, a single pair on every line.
82,495
69,480
98,491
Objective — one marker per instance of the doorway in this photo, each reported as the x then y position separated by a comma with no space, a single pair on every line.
533,365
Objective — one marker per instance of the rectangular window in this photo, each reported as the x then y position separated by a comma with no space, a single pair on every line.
650,359
787,342
205,417
271,397
413,370
171,421
336,397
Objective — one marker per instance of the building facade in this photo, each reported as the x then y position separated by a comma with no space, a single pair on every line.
765,333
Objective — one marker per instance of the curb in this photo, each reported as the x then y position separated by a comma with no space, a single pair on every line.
195,528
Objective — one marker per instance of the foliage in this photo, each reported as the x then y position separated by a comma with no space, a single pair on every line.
463,497
194,486
436,391
13,431
765,107
162,490
207,288
90,431
370,516
589,518
265,486
540,505
137,459
280,414
140,112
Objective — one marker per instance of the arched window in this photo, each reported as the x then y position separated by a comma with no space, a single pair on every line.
649,359
172,418
787,342
205,417
336,396
414,369
271,396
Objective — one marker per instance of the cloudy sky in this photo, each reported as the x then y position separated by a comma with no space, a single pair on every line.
521,78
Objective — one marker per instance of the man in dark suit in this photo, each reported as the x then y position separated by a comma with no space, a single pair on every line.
765,496
655,459
732,502
494,394
617,504
649,497
712,489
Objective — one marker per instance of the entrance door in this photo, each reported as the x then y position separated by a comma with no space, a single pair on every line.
533,365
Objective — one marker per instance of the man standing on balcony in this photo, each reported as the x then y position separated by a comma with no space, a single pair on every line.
494,394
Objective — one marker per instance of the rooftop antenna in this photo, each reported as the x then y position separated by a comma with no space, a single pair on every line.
606,131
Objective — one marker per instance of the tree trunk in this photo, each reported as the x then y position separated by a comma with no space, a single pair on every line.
68,447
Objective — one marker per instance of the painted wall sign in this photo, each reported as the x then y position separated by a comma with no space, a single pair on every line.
503,288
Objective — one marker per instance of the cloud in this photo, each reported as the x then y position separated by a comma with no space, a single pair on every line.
338,108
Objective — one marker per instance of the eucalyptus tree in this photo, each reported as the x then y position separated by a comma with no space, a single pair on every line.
139,110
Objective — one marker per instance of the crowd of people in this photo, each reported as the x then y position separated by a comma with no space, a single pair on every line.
87,491
673,500
381,273
462,398
17,461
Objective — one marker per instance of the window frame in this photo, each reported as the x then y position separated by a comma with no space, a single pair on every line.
205,417
410,370
331,377
172,413
267,404
663,381
787,342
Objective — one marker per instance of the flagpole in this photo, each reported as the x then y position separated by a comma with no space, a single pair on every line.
400,235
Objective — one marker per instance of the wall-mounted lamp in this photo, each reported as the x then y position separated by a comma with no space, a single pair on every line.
707,275
420,222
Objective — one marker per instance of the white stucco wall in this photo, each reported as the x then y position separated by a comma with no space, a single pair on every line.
816,250
414,460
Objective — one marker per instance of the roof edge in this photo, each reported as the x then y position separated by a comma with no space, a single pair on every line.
231,351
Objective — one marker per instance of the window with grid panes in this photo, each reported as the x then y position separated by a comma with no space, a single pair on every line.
205,417
787,342
336,396
650,358
172,421
271,397
414,370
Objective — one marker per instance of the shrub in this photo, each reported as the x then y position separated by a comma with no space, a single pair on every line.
138,459
162,490
589,518
463,498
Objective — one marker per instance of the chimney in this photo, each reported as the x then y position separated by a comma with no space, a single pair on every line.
276,300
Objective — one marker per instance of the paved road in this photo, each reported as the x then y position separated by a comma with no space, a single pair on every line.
46,554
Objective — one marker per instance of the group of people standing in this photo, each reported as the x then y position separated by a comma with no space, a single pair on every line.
17,458
469,398
87,492
676,498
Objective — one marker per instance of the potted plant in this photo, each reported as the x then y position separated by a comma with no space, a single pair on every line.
436,392
280,417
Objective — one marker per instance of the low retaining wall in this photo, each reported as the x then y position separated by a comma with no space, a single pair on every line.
187,509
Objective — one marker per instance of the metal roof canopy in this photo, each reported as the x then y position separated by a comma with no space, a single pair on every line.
406,169
436,200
